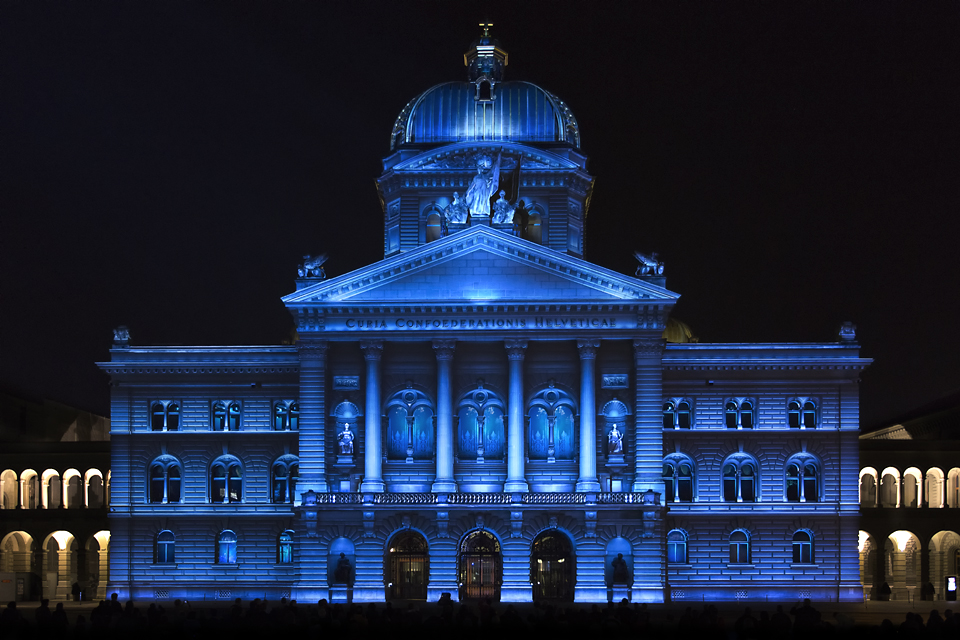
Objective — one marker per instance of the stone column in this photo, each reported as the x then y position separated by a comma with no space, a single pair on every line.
648,422
444,482
516,482
588,416
312,428
372,480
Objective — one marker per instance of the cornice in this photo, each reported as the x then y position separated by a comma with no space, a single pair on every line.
178,369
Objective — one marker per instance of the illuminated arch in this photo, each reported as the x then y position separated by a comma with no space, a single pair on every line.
890,487
935,487
72,489
912,487
52,490
868,487
9,489
93,488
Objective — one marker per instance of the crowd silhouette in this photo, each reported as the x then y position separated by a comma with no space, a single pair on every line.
289,619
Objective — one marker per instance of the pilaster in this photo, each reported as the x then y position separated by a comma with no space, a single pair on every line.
312,449
648,425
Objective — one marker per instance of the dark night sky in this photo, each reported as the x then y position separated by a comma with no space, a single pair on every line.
165,165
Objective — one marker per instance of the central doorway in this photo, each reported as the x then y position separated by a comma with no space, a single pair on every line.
408,567
480,567
552,567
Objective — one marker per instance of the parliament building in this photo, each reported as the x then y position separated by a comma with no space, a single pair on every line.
485,413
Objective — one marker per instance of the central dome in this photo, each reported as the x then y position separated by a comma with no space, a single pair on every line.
515,112
485,109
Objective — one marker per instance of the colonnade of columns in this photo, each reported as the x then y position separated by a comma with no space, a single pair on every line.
312,372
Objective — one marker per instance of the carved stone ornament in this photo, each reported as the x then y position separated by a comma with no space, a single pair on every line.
121,337
312,350
444,349
614,381
515,348
650,348
650,264
588,348
372,349
346,383
312,267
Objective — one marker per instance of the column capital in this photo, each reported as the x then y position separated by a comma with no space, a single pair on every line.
312,350
648,347
444,349
372,349
588,347
515,348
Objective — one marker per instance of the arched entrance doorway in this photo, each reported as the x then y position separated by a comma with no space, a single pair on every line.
408,567
552,568
480,567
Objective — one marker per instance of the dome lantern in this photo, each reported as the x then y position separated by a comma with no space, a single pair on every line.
485,62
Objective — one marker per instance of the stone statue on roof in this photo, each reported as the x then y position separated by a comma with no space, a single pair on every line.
484,186
456,211
502,210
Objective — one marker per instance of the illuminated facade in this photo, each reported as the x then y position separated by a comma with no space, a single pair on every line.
485,413
54,488
909,495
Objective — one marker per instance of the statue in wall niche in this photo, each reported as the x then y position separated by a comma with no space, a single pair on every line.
621,573
614,440
456,211
343,571
345,438
312,267
650,265
484,186
502,211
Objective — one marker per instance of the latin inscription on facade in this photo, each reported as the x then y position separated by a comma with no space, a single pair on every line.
468,324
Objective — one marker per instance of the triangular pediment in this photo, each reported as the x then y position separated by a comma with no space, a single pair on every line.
479,265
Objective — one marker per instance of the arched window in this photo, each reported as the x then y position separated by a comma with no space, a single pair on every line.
410,428
285,548
677,414
802,479
280,417
740,478
227,547
166,547
480,433
165,416
677,547
802,547
286,416
739,547
551,434
165,479
802,413
233,416
286,473
294,416
434,227
738,413
219,416
678,478
226,480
